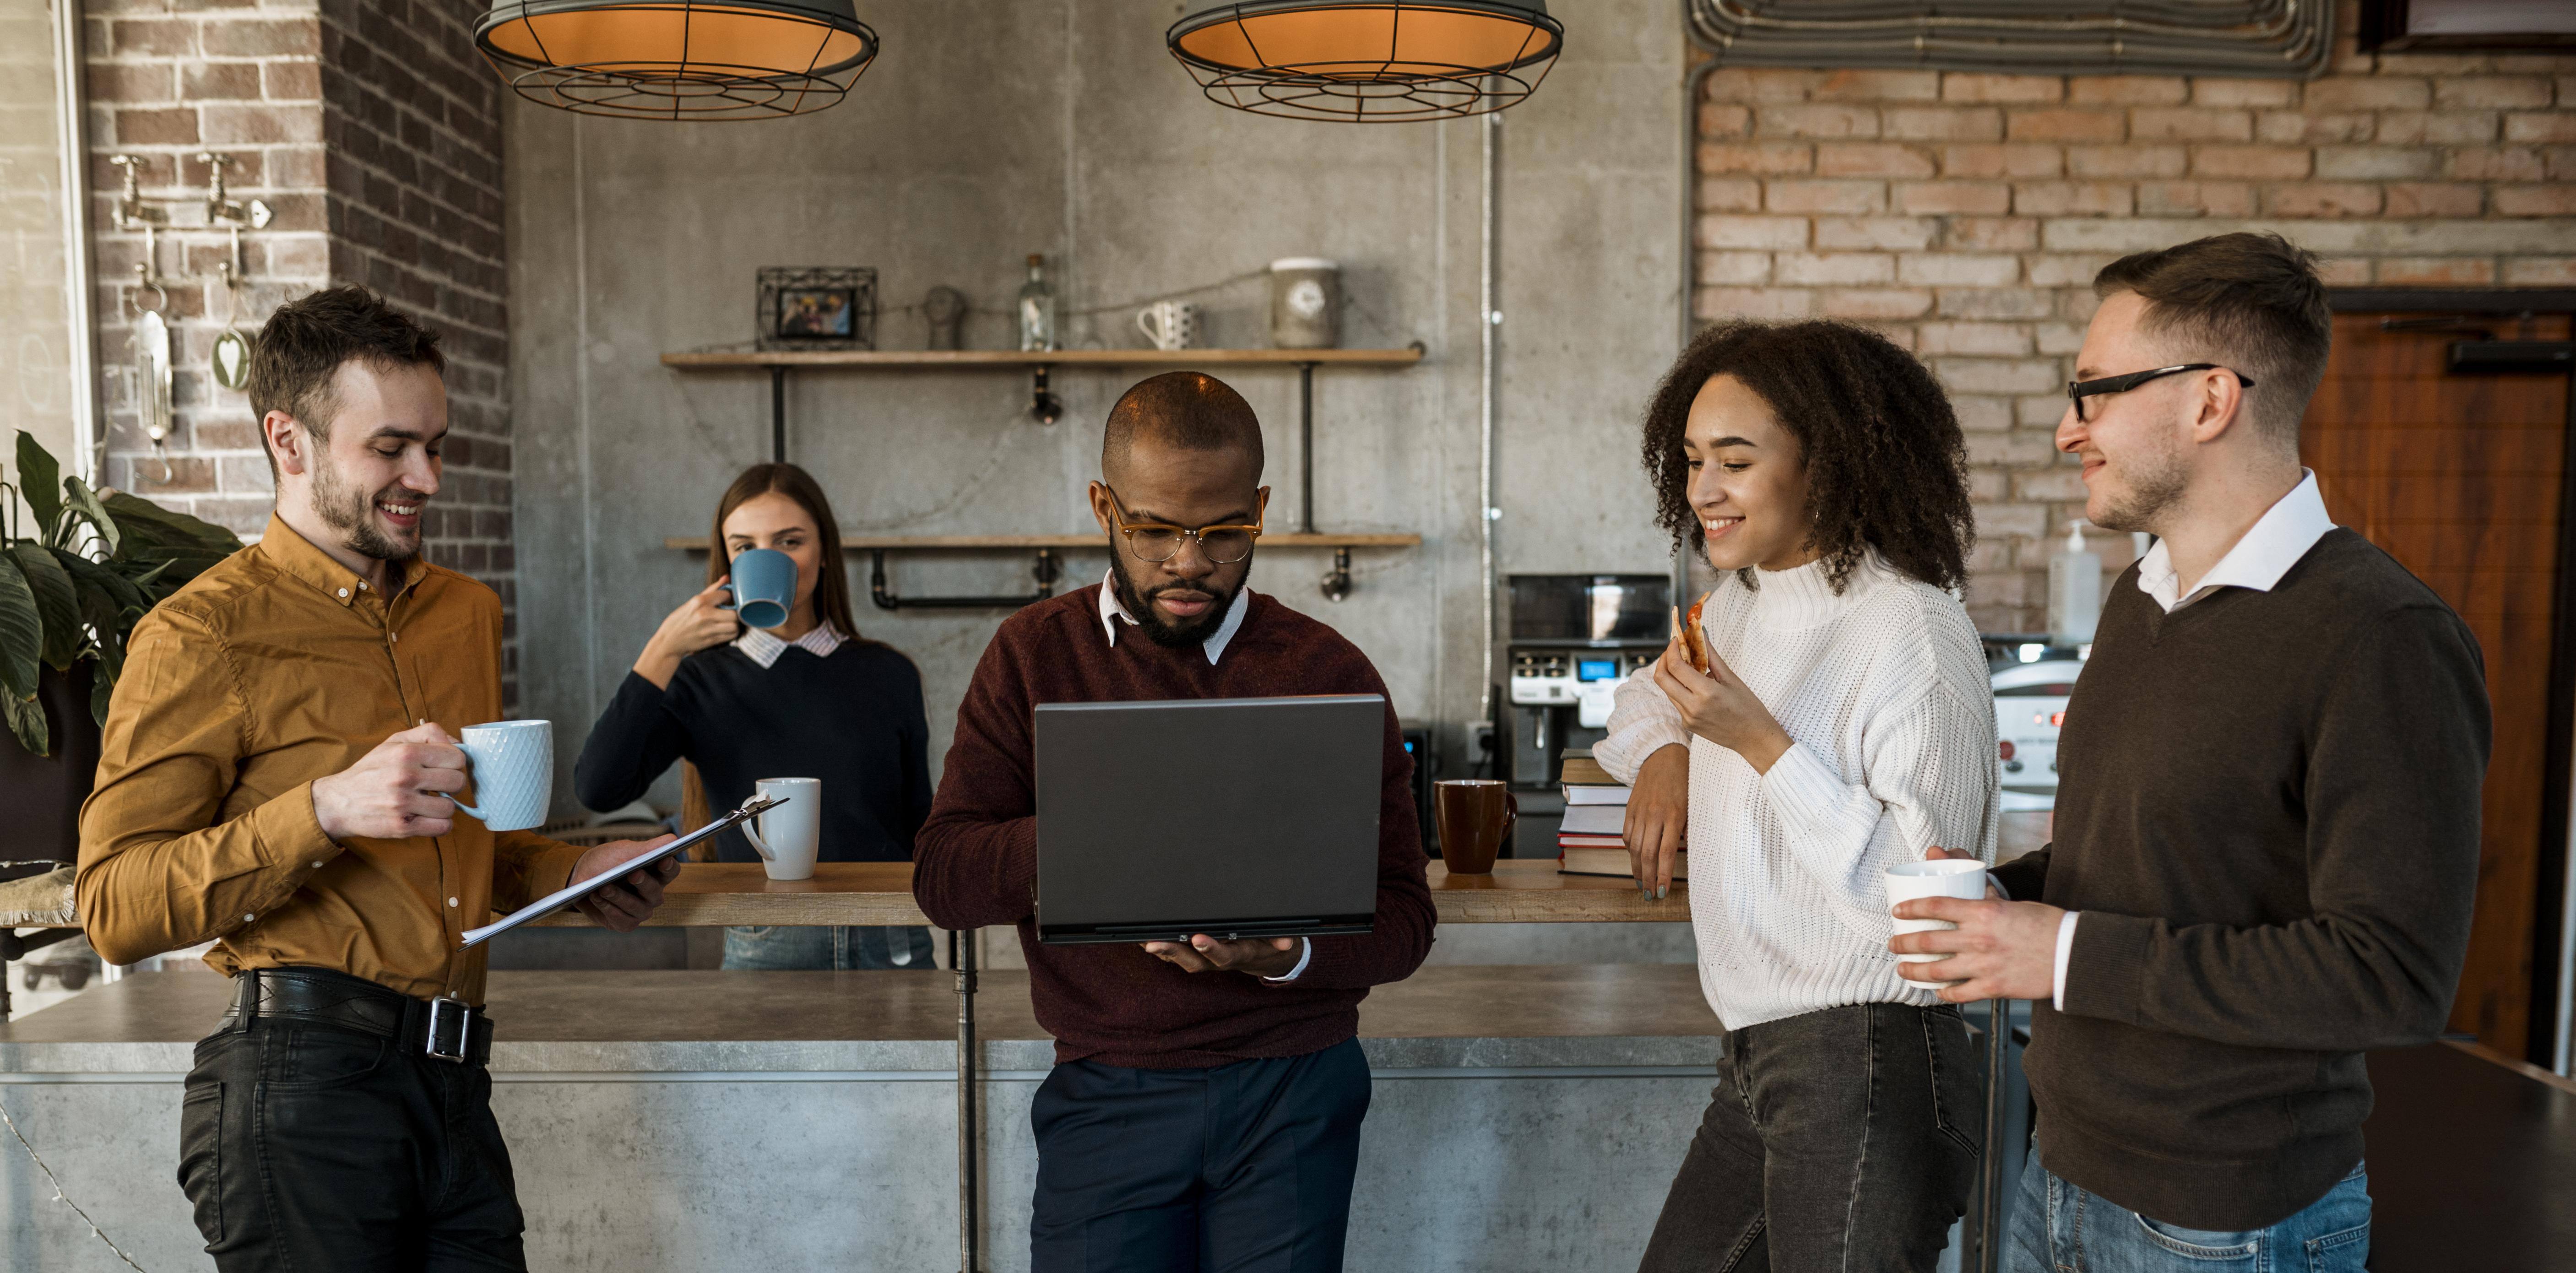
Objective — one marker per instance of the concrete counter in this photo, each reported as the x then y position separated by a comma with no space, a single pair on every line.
1525,1117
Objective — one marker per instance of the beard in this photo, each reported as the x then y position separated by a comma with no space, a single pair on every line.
2154,483
350,511
1140,603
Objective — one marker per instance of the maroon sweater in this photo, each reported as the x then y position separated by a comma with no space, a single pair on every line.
975,861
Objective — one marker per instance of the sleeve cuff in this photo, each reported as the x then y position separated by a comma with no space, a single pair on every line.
1627,753
2065,947
1305,955
2104,962
289,833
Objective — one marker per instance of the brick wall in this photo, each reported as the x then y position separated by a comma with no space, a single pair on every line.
165,86
1965,215
374,133
411,130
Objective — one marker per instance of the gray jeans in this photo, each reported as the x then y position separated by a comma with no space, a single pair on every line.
1843,1140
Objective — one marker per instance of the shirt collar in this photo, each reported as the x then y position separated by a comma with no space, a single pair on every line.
2275,543
1111,610
764,647
296,555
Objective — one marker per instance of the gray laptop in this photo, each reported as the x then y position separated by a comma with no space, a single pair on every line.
1234,817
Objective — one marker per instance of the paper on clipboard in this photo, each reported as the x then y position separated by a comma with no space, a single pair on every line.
571,893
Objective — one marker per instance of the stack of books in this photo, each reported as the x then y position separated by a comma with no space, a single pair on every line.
1589,841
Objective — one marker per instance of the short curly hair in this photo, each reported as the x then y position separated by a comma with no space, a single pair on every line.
1886,465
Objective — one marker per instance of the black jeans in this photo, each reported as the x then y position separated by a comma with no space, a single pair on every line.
1242,1168
308,1149
1843,1139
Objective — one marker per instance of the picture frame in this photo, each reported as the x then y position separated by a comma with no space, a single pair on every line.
816,307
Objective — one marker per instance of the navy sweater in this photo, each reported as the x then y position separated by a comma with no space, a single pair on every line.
853,720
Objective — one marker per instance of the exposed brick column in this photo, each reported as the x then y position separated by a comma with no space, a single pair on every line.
411,127
374,133
1965,216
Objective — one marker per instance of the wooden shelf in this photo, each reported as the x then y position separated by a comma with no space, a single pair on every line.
968,359
1025,543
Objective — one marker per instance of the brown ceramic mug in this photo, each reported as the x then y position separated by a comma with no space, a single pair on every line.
1476,817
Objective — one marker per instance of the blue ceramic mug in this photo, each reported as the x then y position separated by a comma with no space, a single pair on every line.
764,587
513,766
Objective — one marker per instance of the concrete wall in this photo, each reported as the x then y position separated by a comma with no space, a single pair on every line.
989,130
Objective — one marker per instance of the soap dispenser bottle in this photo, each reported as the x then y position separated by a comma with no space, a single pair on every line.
2074,590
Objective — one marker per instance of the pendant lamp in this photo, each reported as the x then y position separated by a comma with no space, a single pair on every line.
678,59
1368,61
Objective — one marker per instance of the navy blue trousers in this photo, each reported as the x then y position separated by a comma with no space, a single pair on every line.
1242,1168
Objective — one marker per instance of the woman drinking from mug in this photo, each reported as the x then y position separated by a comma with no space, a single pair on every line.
804,699
1838,722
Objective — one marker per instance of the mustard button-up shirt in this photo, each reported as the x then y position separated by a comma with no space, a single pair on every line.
276,667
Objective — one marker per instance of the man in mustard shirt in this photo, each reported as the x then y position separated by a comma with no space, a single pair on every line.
273,778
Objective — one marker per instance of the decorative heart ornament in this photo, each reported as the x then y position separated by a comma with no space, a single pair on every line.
232,360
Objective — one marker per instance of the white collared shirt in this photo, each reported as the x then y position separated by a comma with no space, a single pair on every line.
2285,533
2267,550
1112,613
763,647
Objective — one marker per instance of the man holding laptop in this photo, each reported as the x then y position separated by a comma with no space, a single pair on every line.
275,778
1205,1107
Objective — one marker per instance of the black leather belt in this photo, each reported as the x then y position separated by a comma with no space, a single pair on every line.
441,1029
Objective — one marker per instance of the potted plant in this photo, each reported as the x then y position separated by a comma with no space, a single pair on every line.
76,572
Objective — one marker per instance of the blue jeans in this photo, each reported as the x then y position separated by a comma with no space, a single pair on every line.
2059,1228
781,948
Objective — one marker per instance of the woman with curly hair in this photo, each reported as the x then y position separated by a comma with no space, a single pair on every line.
1841,724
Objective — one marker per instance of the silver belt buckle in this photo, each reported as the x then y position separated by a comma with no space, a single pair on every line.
439,1018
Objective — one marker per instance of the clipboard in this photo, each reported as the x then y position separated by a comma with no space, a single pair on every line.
571,893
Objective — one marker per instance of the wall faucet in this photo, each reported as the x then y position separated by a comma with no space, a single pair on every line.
131,211
223,211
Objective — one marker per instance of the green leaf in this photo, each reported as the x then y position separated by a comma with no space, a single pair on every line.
57,605
42,479
102,688
124,592
22,633
170,527
27,721
85,503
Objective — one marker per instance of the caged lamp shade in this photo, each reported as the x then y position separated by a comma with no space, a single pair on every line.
1368,61
678,59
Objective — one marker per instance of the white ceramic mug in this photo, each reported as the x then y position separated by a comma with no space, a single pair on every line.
787,837
513,766
1963,878
1170,324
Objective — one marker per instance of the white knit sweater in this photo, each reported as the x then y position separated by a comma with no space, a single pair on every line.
1884,692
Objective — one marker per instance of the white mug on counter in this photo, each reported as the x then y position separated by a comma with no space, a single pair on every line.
787,837
1170,325
1963,878
512,763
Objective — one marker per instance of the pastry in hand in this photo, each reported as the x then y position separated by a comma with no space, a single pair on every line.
1693,644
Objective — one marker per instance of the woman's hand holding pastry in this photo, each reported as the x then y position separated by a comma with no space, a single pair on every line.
1716,706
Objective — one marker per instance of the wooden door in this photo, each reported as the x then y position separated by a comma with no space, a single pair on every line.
2459,477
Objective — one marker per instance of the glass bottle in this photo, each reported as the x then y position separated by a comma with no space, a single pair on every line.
1037,308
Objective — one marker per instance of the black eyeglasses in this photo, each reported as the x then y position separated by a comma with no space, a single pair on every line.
2078,390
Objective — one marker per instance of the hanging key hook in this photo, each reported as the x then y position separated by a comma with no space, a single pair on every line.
145,277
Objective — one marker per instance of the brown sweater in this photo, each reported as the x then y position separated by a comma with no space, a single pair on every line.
2269,818
975,861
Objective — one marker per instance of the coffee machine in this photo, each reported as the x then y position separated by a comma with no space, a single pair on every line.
1573,639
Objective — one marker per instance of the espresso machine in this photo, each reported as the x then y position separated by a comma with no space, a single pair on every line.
1573,639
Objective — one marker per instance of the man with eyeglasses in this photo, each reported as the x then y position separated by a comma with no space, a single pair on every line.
1205,1106
2267,815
